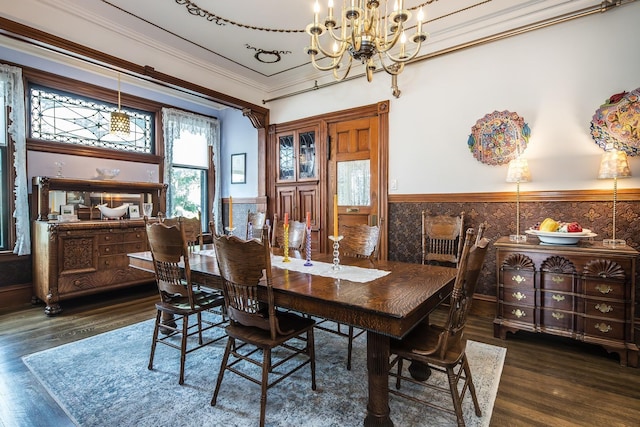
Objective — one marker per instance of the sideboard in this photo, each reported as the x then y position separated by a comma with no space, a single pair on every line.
584,291
88,256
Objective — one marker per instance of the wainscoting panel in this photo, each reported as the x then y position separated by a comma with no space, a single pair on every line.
593,210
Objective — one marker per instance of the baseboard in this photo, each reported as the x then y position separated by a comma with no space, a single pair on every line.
15,295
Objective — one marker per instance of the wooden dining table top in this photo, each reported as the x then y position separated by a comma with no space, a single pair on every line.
391,305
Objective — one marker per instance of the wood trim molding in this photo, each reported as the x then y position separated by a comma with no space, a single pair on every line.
632,194
41,39
260,200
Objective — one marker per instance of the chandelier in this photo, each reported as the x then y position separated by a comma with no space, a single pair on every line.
366,35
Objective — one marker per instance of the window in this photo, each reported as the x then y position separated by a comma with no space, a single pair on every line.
189,175
191,141
60,116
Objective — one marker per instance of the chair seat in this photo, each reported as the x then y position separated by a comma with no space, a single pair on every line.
203,300
290,323
423,342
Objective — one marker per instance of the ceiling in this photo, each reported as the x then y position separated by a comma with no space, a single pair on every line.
261,43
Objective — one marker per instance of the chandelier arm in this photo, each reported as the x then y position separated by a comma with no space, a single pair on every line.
405,59
393,69
346,73
385,47
333,66
327,53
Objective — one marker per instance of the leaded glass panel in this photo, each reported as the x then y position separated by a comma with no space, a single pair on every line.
307,141
63,117
286,158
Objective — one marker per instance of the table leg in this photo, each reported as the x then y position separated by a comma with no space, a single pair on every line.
378,375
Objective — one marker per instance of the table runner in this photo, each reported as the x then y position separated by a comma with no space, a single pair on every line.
346,272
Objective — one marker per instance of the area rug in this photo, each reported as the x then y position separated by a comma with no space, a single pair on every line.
104,381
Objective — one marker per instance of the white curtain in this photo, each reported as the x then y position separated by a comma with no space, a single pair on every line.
175,121
13,93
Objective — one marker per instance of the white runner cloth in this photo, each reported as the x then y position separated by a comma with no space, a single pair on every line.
346,272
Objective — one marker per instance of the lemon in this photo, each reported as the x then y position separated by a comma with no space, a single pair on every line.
549,224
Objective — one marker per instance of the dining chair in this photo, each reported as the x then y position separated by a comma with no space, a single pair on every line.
359,241
297,234
256,325
179,297
255,224
441,238
442,347
192,227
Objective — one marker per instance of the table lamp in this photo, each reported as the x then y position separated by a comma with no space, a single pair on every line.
518,172
614,165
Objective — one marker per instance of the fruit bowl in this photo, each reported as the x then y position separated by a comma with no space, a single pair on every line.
558,238
113,213
104,173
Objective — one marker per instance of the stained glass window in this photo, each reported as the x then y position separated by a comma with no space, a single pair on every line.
63,117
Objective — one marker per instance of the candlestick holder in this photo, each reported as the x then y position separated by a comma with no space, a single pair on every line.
336,251
230,230
308,248
285,258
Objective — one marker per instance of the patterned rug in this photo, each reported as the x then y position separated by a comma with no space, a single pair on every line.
104,381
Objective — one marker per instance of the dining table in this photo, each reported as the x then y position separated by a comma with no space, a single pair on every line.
387,301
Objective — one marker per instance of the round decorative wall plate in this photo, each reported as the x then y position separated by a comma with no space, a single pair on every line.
617,123
498,138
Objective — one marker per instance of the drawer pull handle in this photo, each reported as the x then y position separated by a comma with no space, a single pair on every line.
519,313
107,238
557,279
603,328
519,296
518,279
557,316
604,308
107,249
604,289
107,262
558,298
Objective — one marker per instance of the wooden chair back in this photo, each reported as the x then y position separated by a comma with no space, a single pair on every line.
243,264
442,238
257,221
469,268
297,234
360,241
192,227
169,253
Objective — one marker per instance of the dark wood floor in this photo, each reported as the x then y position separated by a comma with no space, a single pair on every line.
546,381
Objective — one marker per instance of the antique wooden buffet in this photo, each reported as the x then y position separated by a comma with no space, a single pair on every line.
84,257
584,291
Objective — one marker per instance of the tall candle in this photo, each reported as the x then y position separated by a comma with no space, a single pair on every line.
308,220
230,212
286,219
335,215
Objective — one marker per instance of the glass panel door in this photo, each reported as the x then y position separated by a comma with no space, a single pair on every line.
286,158
307,155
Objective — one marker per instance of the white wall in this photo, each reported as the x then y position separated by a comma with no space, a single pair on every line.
555,78
238,136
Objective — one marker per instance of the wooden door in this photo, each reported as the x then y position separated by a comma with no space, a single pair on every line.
354,171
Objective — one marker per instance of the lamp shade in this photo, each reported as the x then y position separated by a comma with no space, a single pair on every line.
614,164
120,123
518,170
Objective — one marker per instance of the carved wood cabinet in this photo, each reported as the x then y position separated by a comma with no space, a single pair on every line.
585,292
298,157
72,259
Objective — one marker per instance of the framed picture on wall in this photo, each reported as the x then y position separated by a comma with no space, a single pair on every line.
239,168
